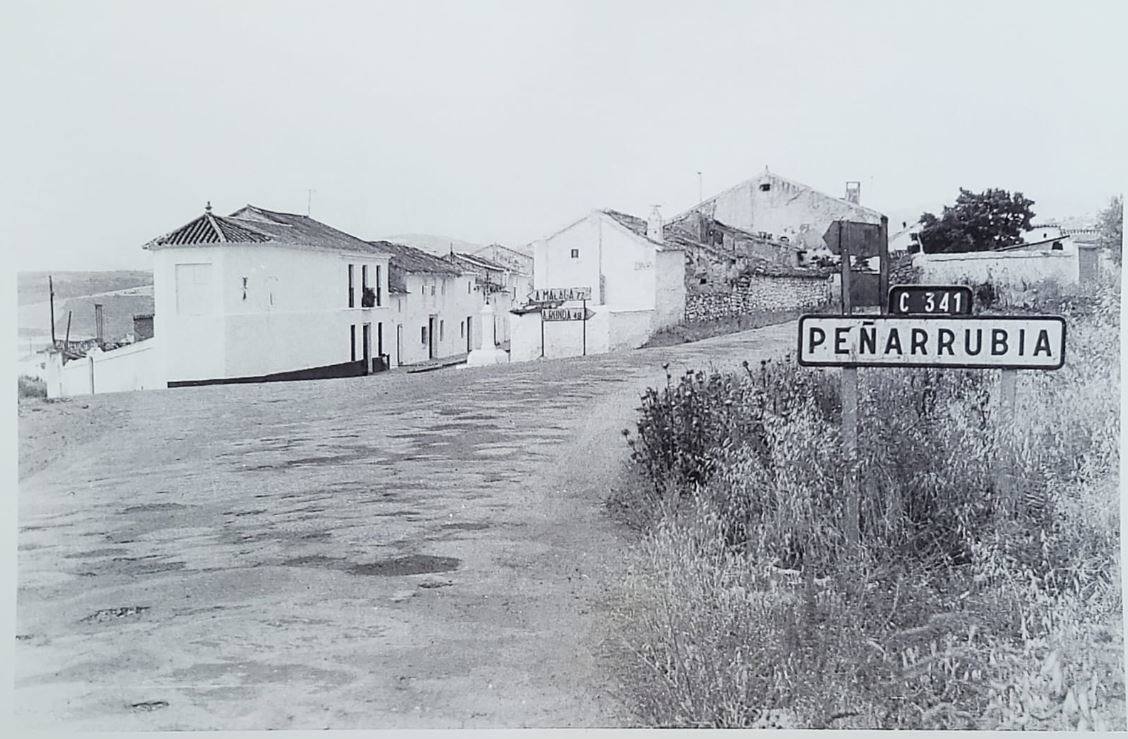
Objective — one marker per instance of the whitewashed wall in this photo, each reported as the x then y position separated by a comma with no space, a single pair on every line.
134,367
1013,268
292,313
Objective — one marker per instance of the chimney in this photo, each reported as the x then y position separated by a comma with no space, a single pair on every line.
854,192
99,326
654,226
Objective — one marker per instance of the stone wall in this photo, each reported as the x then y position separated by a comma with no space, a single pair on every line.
756,294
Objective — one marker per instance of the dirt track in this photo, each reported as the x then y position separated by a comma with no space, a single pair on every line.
395,551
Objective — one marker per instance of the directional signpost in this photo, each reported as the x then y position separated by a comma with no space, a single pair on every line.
919,326
549,301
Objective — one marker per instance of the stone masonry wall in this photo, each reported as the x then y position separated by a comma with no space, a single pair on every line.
757,293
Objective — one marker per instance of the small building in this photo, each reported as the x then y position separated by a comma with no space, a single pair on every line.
435,305
518,263
636,277
263,295
775,207
497,284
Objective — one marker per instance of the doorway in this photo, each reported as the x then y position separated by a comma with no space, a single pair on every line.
431,337
469,334
399,344
366,347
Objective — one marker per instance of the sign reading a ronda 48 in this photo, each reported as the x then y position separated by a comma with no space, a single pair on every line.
971,342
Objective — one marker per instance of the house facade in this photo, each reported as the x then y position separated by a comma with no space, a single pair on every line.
495,283
637,282
266,295
435,306
775,207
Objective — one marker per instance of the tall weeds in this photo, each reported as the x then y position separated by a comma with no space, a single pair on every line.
960,610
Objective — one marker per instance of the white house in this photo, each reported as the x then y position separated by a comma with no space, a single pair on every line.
775,206
637,282
498,284
435,305
267,295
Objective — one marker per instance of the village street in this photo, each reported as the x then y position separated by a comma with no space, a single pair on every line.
427,550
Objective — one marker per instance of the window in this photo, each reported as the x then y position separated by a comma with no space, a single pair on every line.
575,254
462,329
193,285
432,290
352,303
469,286
399,304
442,287
364,277
352,341
423,335
765,186
379,287
440,330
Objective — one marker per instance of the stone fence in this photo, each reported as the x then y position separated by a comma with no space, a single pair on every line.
757,294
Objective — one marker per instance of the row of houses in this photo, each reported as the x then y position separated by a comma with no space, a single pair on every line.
263,295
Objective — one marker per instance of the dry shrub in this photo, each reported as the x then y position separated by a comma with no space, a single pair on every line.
958,612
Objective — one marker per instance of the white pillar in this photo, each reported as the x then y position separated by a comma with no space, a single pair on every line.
489,335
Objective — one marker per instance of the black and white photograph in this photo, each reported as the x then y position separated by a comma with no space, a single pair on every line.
564,365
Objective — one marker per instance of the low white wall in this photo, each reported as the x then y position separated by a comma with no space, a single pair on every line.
134,367
630,329
1000,268
606,331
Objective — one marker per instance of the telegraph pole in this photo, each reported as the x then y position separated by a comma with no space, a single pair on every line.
51,288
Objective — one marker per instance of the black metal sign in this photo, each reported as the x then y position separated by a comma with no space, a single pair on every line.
930,300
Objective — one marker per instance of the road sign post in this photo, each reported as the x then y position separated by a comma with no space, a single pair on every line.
584,309
1004,479
849,394
883,265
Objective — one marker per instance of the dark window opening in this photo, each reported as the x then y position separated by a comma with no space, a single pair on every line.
352,303
765,186
352,341
379,285
423,335
1057,246
575,254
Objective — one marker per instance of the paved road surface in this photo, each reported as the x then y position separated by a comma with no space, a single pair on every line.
393,551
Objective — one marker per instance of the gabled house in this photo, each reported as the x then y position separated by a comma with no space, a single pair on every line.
772,206
261,295
636,277
435,305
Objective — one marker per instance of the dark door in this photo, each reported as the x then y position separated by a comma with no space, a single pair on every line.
469,335
431,337
399,344
366,342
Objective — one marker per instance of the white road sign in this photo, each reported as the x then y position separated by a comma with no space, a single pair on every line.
559,294
983,342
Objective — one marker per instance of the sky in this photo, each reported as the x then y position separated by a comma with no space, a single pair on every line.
505,121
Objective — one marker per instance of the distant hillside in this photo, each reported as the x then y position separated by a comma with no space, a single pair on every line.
119,308
437,245
31,287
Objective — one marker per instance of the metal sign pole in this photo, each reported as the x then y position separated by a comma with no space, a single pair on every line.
541,314
1004,482
584,302
849,409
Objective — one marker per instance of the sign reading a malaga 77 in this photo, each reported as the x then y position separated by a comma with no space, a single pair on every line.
971,342
559,294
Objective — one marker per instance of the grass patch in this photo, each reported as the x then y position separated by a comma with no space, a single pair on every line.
747,607
32,387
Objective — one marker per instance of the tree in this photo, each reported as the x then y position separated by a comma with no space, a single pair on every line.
977,222
1110,226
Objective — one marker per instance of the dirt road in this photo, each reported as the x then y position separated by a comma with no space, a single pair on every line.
394,551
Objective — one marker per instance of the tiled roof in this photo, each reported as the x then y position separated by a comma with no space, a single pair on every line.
686,226
253,225
638,226
474,262
211,229
410,259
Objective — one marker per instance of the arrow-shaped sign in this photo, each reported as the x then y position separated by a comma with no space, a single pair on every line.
859,239
559,294
567,314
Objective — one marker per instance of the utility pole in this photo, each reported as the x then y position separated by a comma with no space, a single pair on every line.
51,288
700,197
